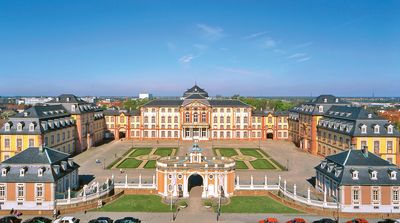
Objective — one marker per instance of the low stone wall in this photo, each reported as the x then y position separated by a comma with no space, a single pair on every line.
28,212
250,193
143,191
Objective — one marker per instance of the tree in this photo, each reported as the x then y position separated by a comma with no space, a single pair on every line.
131,104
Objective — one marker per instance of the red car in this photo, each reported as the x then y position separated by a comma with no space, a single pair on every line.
268,220
296,220
358,220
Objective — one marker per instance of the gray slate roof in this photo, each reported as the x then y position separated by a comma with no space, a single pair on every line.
324,101
212,102
32,159
114,112
340,167
349,120
195,90
69,100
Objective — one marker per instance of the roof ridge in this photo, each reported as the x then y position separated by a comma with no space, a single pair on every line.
347,157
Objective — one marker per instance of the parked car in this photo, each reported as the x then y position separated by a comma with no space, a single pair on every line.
101,220
128,220
10,219
389,221
67,219
38,219
296,220
268,220
358,220
325,220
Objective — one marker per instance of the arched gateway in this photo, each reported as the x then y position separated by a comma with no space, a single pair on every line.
176,176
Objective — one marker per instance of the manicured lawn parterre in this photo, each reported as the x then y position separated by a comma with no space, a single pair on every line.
251,152
140,152
164,151
130,163
255,204
137,203
262,164
150,164
227,152
240,165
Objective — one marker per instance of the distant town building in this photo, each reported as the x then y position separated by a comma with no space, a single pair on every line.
49,125
32,179
360,181
194,116
145,96
88,99
36,100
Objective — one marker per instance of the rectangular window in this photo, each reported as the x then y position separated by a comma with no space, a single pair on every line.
31,142
376,147
395,195
389,146
356,195
363,144
375,195
39,190
20,190
2,190
7,143
19,143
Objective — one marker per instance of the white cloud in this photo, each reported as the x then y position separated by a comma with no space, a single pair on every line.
255,35
269,43
186,59
297,56
211,32
303,45
304,59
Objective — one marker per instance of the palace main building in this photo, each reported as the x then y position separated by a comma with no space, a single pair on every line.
196,116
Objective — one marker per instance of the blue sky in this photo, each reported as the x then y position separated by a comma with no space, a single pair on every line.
268,48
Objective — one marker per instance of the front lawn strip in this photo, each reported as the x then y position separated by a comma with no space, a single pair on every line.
137,203
255,204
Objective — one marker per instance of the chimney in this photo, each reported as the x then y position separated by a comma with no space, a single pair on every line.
365,151
57,99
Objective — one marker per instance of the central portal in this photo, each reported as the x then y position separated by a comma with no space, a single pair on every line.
194,181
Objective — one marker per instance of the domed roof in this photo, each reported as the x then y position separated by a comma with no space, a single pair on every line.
195,90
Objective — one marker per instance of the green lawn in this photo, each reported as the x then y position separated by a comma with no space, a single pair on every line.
150,164
241,165
262,164
137,203
228,152
130,163
255,204
251,152
164,151
140,152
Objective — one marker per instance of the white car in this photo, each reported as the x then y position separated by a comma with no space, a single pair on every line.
66,220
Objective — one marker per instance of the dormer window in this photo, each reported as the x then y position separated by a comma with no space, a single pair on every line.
369,115
31,127
320,108
364,129
19,127
337,100
325,100
376,129
73,108
40,172
374,175
393,175
390,129
68,99
4,172
7,127
354,175
22,172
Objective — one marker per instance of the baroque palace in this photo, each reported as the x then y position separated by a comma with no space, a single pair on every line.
327,125
195,116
